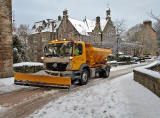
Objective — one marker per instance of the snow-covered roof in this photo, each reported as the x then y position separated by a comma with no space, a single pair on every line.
103,23
82,27
86,26
45,26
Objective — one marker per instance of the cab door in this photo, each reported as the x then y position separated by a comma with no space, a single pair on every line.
79,56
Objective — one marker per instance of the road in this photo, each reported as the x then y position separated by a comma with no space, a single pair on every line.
22,103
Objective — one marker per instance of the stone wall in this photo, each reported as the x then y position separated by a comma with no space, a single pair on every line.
152,83
6,58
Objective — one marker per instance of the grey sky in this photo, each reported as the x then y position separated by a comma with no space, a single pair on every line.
133,11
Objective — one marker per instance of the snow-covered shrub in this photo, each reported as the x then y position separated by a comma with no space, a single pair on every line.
28,67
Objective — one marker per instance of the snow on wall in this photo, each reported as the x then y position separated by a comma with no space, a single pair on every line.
27,64
145,70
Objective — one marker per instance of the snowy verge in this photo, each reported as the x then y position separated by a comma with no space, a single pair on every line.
7,85
126,66
145,70
2,109
27,64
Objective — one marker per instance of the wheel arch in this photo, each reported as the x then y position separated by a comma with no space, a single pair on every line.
84,66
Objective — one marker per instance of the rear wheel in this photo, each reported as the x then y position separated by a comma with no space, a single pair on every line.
84,77
104,73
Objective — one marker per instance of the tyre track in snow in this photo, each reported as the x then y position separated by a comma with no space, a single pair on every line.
23,103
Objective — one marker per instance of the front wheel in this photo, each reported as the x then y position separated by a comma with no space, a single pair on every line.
84,77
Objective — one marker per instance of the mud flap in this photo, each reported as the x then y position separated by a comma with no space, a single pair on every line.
41,80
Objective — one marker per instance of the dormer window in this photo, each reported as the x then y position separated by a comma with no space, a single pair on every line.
44,24
34,27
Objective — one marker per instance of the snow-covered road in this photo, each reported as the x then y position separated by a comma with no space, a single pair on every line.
118,98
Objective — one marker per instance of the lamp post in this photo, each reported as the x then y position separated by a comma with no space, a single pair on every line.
118,38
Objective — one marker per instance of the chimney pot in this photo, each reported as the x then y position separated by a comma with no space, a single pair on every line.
59,18
108,13
65,12
97,19
148,23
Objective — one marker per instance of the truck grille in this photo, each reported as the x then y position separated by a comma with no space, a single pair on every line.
56,66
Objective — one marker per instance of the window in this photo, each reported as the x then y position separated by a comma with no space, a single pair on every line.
78,50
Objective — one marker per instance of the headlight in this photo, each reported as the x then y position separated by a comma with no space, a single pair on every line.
70,58
42,58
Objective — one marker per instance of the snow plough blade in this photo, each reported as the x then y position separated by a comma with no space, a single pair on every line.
41,80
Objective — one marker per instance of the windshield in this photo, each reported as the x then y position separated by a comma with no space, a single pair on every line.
59,49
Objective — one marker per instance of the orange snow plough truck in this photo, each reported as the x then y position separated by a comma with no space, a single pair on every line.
67,62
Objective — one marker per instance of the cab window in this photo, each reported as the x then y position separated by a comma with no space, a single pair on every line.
78,49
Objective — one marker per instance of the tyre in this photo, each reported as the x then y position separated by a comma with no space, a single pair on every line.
84,77
104,73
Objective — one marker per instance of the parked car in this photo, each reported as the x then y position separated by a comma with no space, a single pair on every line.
136,59
142,59
148,57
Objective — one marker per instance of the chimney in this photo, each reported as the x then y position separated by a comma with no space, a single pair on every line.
59,18
148,23
108,14
97,20
65,13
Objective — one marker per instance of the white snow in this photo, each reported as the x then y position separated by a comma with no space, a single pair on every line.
125,66
110,62
141,102
118,98
7,85
147,71
47,28
86,26
80,26
103,23
2,109
27,64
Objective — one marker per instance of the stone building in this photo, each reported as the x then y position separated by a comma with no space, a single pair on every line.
98,32
42,32
146,37
6,57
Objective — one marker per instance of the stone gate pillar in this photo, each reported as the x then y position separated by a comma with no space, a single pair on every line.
6,56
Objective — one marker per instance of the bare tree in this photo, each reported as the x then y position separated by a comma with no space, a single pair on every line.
157,23
156,27
23,33
120,26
